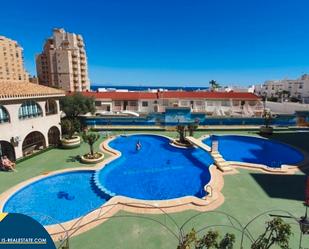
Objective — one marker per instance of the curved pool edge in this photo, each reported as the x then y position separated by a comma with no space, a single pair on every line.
284,169
116,154
118,203
123,203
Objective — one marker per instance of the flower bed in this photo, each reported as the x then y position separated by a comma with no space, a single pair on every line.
95,158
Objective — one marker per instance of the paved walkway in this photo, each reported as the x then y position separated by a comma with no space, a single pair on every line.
198,143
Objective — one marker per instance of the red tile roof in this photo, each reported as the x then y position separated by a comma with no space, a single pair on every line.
121,95
207,95
171,95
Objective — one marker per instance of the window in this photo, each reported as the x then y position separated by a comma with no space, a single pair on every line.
165,102
210,103
225,103
236,102
145,103
117,103
98,103
51,107
133,103
29,109
184,103
4,115
252,103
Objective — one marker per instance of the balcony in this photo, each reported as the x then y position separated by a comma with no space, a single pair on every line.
79,37
80,44
198,109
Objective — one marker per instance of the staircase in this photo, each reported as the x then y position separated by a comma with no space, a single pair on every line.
219,160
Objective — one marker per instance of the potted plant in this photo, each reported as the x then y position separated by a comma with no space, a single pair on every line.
69,127
266,129
92,157
181,141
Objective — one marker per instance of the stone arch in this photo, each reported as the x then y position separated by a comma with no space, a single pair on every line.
33,141
53,136
7,149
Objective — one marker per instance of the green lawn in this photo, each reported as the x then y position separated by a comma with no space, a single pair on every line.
246,195
50,160
245,198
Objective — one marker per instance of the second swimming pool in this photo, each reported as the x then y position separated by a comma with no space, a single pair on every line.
256,150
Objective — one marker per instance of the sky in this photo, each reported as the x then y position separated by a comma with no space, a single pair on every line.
171,42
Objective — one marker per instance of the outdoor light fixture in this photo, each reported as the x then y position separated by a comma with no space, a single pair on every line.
15,141
304,223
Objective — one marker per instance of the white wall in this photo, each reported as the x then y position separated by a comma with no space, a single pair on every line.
286,107
22,128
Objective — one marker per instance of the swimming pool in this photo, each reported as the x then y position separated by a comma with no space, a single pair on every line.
56,199
256,150
158,171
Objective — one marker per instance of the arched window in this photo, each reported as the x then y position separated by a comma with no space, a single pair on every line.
29,109
51,107
4,115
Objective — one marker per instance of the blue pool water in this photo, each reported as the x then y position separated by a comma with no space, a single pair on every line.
158,171
63,197
256,150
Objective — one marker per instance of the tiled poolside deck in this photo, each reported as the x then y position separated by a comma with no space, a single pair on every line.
247,194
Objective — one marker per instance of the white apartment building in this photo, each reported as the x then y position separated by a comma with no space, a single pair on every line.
29,118
63,62
11,61
286,88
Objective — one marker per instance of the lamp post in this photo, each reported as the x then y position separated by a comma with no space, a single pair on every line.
304,226
304,220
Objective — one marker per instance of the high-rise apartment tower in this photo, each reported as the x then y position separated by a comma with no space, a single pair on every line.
11,61
63,62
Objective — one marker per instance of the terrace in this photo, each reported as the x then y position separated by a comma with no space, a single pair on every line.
247,194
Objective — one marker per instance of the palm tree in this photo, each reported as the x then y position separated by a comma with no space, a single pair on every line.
181,129
214,85
192,127
90,138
